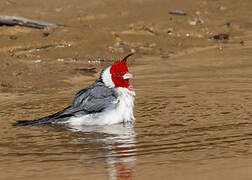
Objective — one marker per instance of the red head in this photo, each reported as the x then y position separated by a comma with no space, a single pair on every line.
119,73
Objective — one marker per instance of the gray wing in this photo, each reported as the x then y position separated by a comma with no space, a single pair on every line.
95,98
92,99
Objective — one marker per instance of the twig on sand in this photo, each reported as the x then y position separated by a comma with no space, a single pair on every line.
17,51
13,21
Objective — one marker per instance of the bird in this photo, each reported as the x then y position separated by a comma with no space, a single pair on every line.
109,100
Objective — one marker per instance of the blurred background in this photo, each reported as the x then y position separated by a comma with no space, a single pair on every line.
192,68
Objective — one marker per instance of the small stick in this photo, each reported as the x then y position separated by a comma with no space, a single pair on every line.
13,20
181,13
13,51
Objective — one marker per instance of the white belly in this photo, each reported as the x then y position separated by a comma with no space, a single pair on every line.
122,113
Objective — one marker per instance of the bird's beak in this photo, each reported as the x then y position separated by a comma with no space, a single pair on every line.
127,76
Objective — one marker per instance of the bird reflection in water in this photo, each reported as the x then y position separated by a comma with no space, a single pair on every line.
116,143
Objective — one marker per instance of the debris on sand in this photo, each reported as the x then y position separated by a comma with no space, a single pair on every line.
149,30
18,51
180,13
140,29
20,21
242,43
196,21
87,71
46,33
221,36
37,61
13,37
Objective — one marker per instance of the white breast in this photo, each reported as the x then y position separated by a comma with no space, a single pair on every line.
126,104
122,113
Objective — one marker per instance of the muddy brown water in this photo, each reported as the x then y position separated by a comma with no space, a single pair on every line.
193,94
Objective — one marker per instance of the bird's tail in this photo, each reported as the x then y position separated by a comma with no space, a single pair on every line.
43,120
59,116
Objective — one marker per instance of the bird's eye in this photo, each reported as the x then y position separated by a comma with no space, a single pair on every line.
117,74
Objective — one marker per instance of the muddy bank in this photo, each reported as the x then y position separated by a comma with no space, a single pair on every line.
107,30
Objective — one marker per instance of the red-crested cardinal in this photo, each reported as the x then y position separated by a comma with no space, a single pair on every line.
109,100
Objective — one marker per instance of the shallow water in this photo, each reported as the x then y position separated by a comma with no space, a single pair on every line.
193,98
